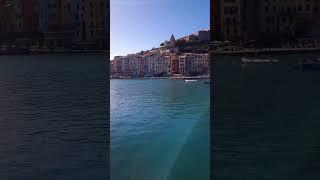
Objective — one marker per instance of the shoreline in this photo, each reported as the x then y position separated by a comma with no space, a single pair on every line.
39,52
169,78
266,51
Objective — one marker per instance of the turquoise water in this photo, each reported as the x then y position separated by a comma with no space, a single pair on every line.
159,130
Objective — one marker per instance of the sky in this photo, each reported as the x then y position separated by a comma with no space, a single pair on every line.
138,25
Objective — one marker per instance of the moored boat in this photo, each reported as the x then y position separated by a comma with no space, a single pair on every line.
191,80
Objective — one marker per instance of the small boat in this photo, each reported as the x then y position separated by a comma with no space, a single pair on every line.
191,80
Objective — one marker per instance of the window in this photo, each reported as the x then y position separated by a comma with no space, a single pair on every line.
308,7
244,17
284,19
226,10
69,7
268,19
291,19
228,20
235,31
267,30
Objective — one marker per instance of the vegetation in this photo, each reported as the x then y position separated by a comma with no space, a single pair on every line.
194,47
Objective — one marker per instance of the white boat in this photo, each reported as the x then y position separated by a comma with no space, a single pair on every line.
191,80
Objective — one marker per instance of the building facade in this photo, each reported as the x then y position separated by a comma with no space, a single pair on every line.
66,24
267,20
157,64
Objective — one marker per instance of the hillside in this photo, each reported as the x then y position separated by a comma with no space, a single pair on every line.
192,47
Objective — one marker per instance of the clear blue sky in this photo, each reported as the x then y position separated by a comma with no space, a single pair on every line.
142,24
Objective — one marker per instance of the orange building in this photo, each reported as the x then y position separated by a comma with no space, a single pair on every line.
174,65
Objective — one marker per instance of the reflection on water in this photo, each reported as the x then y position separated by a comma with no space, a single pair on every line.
266,122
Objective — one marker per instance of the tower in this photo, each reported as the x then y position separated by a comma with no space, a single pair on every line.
172,39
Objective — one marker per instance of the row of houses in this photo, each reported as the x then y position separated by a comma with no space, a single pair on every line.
160,63
268,22
55,24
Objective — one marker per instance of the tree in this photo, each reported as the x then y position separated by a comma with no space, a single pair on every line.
181,42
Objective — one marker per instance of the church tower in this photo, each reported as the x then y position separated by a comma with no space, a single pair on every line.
172,39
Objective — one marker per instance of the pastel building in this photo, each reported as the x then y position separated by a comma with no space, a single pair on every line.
186,63
173,65
160,66
202,65
117,65
141,66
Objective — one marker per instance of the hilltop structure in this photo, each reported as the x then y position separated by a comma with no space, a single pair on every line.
200,36
171,43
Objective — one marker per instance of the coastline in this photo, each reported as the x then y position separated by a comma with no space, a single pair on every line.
36,52
266,51
169,78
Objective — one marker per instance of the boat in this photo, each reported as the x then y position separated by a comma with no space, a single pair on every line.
207,81
191,80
